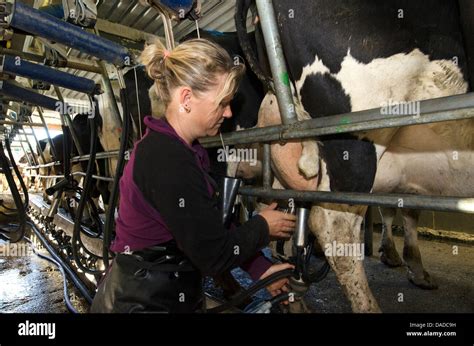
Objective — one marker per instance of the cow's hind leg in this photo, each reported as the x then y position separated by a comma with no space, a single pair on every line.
411,253
338,229
388,251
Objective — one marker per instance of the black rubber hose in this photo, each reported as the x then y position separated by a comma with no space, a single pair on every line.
76,235
239,298
72,275
18,174
241,10
17,235
109,219
67,300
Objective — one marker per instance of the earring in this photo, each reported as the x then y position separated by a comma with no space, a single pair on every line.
187,108
181,108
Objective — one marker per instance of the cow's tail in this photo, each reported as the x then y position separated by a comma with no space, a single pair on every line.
241,10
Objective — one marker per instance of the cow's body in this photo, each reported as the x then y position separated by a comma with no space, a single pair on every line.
82,129
346,56
435,159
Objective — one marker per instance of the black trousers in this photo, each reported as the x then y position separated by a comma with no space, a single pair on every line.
150,281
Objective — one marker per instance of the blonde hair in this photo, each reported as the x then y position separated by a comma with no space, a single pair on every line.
195,63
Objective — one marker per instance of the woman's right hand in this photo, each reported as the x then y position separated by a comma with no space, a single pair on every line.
280,225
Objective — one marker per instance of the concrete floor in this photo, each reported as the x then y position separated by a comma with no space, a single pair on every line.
31,284
453,273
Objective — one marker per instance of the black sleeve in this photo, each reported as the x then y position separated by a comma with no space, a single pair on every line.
168,176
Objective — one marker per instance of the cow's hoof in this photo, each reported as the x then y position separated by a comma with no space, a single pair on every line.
390,257
424,281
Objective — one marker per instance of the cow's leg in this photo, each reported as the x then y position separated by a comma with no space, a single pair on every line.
388,251
337,226
411,252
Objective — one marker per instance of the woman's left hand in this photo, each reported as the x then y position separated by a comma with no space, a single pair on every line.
279,286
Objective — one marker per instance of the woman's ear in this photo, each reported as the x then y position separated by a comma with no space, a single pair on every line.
185,95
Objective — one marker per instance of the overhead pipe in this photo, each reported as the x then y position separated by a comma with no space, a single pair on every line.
17,15
23,68
69,63
9,89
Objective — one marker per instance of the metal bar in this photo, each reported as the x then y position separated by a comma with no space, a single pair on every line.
69,63
276,59
349,123
98,177
99,156
75,139
437,203
109,91
267,169
50,141
42,24
6,122
29,146
47,74
24,152
10,89
36,140
125,31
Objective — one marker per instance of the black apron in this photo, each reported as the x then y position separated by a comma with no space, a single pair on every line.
154,280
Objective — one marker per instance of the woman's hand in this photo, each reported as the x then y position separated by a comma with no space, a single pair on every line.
280,225
279,286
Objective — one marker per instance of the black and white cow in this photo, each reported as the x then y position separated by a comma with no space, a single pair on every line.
82,129
351,55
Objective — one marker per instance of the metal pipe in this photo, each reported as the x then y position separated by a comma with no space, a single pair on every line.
347,123
70,63
27,95
74,136
50,141
437,203
35,159
24,152
276,59
300,233
42,24
6,122
26,69
267,169
36,140
103,155
109,91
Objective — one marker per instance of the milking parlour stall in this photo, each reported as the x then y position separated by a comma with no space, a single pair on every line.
353,117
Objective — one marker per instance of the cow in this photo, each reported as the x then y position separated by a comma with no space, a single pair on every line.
346,56
407,168
82,130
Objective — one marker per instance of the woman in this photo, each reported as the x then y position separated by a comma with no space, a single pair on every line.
169,233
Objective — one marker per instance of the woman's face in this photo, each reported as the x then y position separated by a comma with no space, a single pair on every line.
209,116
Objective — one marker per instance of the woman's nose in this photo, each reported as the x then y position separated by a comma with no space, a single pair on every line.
227,112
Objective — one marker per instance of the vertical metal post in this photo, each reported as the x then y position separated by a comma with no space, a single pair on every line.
109,90
368,232
26,154
29,145
66,116
267,171
36,140
281,79
50,141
